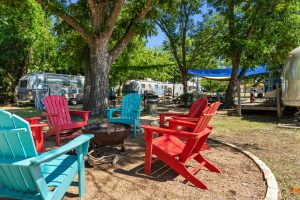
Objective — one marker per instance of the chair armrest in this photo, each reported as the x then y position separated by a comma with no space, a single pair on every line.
79,112
37,125
113,109
62,150
174,123
167,114
162,117
33,120
151,130
49,114
110,111
186,119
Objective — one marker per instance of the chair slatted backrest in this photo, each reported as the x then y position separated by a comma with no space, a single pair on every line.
56,104
131,103
195,144
16,143
197,107
212,109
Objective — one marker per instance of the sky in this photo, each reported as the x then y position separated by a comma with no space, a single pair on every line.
156,41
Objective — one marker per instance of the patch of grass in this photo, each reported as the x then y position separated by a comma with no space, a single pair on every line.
26,112
278,148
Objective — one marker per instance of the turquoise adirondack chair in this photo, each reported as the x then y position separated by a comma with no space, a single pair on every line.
130,112
26,175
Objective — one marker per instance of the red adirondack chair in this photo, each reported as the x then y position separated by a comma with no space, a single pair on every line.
175,152
188,124
37,132
195,112
59,120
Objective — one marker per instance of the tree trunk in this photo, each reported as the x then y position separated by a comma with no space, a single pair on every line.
235,59
97,81
184,80
87,84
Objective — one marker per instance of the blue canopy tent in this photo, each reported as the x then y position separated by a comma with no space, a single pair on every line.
224,74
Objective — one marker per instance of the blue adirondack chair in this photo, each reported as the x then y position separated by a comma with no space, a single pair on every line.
130,112
26,175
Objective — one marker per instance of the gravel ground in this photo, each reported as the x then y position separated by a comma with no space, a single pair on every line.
240,178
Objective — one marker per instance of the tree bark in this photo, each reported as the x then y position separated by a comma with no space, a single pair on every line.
97,77
87,83
184,80
235,55
235,59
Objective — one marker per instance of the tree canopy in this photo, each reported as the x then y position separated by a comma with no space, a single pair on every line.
105,41
25,43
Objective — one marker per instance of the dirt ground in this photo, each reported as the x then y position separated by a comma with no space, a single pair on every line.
240,177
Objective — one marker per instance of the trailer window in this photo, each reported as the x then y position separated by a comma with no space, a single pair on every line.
79,83
23,84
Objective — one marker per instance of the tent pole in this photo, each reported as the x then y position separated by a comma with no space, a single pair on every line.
239,99
174,83
245,89
197,85
210,87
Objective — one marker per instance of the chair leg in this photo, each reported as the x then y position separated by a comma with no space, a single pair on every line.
134,130
148,162
199,158
81,180
57,137
183,171
205,147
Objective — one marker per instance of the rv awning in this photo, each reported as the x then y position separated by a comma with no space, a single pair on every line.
224,74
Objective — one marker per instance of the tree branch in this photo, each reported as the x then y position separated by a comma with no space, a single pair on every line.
130,31
172,43
70,20
242,74
196,53
98,13
113,17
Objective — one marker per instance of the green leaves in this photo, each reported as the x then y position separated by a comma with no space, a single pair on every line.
138,62
24,32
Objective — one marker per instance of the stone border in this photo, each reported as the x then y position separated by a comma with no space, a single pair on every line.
273,192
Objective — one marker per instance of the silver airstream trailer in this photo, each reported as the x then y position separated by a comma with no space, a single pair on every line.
291,79
43,84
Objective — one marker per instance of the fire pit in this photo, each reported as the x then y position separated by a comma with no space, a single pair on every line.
106,134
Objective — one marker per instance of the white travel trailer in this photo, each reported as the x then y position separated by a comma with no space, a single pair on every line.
291,79
141,86
158,88
177,88
43,84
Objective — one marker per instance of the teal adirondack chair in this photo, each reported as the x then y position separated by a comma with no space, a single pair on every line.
26,175
130,112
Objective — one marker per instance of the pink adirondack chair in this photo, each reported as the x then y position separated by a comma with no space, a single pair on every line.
195,112
175,152
59,120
